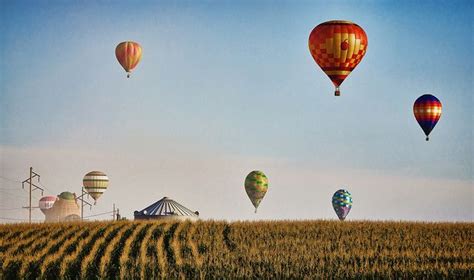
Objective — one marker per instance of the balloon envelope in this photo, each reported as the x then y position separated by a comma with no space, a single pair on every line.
427,110
342,203
128,55
256,186
65,208
95,183
338,46
46,203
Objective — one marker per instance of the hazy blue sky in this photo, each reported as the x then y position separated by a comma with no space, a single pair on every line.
226,87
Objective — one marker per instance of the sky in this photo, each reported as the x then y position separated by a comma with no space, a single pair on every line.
227,87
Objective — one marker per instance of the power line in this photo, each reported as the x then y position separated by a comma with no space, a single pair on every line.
8,179
29,181
83,201
12,195
100,214
15,181
6,192
13,189
12,219
2,188
10,209
24,195
16,219
41,184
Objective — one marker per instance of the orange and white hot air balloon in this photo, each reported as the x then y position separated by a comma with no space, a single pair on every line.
95,183
128,55
338,46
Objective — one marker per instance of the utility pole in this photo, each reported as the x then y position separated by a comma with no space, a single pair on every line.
81,197
113,215
30,182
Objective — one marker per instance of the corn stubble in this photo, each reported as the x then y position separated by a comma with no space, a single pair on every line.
216,250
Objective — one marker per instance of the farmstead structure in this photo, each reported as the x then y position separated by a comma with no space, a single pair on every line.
166,208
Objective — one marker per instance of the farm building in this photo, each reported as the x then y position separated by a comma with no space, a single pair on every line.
166,208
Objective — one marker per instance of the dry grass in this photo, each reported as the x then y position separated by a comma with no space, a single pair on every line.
213,249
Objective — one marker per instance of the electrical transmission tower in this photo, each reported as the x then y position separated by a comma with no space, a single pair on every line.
82,199
115,214
33,187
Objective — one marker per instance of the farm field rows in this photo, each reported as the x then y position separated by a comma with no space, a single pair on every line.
216,250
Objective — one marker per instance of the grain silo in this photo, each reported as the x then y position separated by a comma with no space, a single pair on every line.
166,208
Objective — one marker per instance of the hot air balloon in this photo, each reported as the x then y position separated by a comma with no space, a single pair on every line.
256,186
64,209
342,203
338,46
95,183
128,55
427,110
46,203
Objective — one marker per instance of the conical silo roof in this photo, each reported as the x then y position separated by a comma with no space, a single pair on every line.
166,207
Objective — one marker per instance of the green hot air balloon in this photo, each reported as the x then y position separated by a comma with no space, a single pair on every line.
256,186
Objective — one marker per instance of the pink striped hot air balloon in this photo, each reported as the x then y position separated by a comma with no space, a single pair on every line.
46,203
95,183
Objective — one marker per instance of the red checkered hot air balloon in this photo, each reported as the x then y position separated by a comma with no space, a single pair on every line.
427,110
338,46
128,55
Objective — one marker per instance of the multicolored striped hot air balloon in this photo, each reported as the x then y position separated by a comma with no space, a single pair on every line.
342,203
256,186
128,55
95,183
427,110
338,46
46,203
